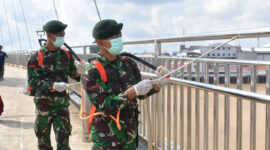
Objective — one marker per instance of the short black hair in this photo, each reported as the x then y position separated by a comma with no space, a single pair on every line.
1,46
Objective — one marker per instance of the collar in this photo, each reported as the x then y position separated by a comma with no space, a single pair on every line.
47,51
105,62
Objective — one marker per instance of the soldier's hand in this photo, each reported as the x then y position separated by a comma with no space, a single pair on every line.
143,87
60,86
81,66
161,71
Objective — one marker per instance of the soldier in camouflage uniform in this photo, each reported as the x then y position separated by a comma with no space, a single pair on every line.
48,83
123,87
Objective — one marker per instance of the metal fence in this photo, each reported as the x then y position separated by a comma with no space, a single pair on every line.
18,59
187,114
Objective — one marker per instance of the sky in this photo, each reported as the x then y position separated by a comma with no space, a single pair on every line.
142,19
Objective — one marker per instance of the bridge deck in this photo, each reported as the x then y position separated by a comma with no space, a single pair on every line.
17,120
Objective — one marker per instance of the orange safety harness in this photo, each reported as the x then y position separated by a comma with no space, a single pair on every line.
40,63
92,112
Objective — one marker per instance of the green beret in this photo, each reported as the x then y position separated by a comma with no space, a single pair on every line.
54,27
106,28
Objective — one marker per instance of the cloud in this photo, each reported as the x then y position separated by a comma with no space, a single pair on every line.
142,19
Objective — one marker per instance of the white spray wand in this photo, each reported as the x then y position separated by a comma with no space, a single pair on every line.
186,64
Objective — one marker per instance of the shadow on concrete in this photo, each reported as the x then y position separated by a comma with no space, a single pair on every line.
17,124
13,82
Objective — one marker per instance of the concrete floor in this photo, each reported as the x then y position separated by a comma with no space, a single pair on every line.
17,120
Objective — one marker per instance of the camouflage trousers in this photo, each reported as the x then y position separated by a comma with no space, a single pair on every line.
60,121
124,146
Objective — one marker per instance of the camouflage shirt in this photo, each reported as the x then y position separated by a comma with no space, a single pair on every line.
57,66
108,97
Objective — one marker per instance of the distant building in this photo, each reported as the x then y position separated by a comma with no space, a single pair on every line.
184,49
225,52
262,54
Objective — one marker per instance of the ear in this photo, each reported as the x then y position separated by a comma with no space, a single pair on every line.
99,42
50,37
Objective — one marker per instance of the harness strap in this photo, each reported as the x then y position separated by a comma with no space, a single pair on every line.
67,54
101,71
40,58
104,78
93,112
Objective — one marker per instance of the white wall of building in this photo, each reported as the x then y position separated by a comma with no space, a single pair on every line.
225,52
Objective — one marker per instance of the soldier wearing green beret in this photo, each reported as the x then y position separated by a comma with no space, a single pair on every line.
117,96
48,71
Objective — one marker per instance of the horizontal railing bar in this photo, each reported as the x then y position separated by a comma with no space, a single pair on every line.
250,33
222,61
204,60
81,46
218,89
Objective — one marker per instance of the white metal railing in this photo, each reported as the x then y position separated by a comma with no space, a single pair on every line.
181,116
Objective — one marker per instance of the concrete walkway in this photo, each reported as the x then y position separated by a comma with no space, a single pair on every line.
17,120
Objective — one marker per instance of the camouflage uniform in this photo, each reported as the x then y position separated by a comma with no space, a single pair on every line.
51,107
108,97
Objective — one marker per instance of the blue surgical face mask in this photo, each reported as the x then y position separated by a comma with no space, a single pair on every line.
116,46
59,41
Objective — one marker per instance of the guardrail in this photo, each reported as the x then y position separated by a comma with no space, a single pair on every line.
214,68
190,116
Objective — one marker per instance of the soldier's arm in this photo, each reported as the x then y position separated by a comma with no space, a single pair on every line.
138,77
34,80
102,98
73,70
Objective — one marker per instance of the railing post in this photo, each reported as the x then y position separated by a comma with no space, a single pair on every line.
197,109
267,126
216,107
84,52
163,116
169,109
253,83
239,108
175,110
227,110
158,110
206,111
189,113
153,102
149,126
157,48
182,121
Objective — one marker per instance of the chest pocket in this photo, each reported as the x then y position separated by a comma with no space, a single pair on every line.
121,79
62,63
114,83
54,64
